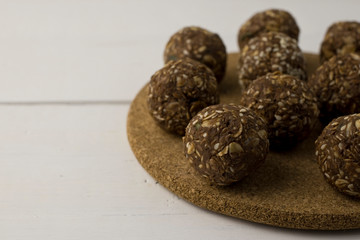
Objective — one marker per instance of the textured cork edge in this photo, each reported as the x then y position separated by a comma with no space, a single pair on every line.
287,191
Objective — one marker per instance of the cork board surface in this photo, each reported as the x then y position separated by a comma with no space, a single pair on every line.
287,191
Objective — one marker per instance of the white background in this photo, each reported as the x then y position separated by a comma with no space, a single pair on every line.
68,71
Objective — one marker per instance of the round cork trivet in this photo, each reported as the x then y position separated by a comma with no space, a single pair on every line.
287,191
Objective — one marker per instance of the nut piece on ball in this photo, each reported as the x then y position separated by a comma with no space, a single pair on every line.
287,105
178,91
270,52
271,20
336,84
341,38
225,143
198,44
338,154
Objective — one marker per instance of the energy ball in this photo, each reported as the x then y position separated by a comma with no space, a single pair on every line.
178,91
272,20
336,84
270,52
341,38
225,143
338,154
286,103
198,44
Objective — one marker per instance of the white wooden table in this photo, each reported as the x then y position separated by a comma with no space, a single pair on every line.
68,72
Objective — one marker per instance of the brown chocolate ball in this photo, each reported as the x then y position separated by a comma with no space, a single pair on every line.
224,143
341,38
336,84
271,20
338,154
286,103
198,44
178,91
270,52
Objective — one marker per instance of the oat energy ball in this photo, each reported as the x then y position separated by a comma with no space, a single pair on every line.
225,143
178,91
287,105
341,38
270,52
272,20
338,154
198,44
336,84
